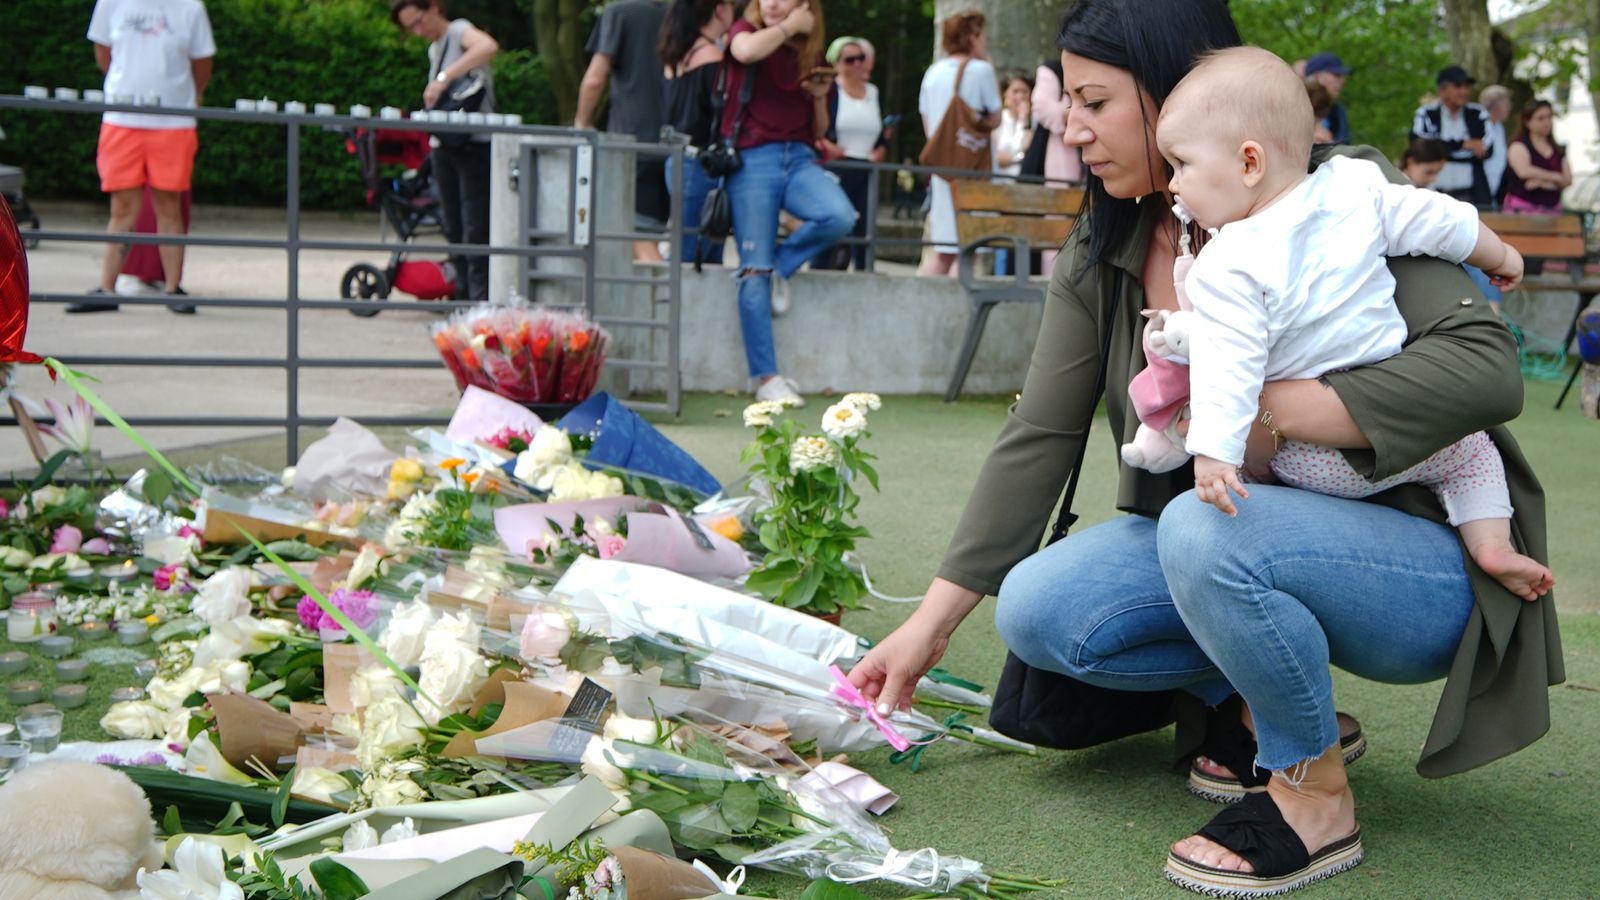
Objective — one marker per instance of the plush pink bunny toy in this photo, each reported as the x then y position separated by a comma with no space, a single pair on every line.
1160,393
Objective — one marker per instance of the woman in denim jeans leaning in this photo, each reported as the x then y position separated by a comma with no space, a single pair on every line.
779,42
1178,596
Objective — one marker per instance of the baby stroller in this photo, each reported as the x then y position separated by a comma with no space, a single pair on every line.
11,184
408,206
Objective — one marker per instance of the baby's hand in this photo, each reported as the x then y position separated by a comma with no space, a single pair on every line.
1508,274
1213,479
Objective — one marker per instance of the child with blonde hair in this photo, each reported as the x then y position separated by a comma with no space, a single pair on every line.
1293,284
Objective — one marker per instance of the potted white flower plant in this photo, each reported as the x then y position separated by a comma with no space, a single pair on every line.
810,525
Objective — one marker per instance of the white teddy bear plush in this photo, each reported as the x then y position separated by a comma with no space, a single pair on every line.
74,831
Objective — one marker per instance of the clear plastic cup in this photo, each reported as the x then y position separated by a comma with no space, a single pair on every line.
41,728
13,757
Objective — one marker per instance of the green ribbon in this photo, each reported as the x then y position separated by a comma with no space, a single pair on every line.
543,883
944,677
915,751
74,380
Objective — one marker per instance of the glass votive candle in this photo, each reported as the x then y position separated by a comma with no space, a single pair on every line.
13,756
32,617
41,728
132,632
66,93
72,670
70,696
13,662
94,631
125,694
57,646
325,109
294,107
92,95
36,92
145,669
20,692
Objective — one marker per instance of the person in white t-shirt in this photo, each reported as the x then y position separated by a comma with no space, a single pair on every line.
1294,283
153,52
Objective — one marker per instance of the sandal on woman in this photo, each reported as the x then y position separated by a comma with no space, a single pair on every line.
1255,830
1231,745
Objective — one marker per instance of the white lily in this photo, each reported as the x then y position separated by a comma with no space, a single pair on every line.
74,427
197,873
203,759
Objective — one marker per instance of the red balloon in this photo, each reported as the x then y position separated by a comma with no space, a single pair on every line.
13,291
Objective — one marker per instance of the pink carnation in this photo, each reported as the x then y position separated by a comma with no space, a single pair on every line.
610,545
360,606
67,540
96,547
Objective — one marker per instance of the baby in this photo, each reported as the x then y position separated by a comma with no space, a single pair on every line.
1293,284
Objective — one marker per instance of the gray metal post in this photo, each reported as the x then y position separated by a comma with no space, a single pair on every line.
675,280
292,308
871,236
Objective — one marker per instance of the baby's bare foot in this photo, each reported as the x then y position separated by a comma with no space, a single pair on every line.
1521,575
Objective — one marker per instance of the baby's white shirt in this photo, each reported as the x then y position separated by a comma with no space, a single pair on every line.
1302,288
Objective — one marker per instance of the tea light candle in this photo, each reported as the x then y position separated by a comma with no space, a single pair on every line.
124,694
20,692
477,118
36,92
94,631
513,119
457,117
132,632
7,730
66,93
389,112
70,696
294,107
125,99
265,105
150,99
94,95
360,112
57,646
72,670
144,670
13,662
326,109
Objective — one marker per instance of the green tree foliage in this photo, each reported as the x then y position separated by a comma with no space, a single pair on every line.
336,51
1396,47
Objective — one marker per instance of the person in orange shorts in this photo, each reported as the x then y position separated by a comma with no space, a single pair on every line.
148,49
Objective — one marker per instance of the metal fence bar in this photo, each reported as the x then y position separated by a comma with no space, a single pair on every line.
291,307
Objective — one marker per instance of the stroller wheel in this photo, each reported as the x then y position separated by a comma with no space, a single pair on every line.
364,282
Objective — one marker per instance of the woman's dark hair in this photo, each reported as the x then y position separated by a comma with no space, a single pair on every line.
680,28
1528,109
1156,41
1014,75
1423,150
396,5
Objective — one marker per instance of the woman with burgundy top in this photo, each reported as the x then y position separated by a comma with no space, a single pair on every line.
1537,166
779,44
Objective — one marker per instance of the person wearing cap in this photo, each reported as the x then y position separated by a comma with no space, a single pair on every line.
855,131
1328,70
1461,126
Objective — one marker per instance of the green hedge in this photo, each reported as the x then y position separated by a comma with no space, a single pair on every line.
336,51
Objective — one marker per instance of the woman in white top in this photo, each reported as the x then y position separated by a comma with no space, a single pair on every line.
963,41
855,132
1015,133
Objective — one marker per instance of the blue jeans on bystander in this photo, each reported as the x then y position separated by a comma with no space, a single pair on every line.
1262,603
777,176
696,185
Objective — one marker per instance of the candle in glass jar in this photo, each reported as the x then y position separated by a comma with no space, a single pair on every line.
94,631
72,669
132,632
56,646
32,617
145,669
13,662
70,696
20,692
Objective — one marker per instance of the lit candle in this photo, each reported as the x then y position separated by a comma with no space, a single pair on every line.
132,632
294,107
20,692
13,662
124,694
56,646
72,670
36,92
66,93
94,631
70,696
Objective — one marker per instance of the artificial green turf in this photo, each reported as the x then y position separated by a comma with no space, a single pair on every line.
1102,818
83,723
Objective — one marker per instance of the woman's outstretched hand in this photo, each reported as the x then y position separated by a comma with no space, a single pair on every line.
889,673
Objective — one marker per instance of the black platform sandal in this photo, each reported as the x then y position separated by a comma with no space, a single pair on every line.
1231,745
1256,831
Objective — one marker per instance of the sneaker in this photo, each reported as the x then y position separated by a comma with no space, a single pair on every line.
132,286
781,390
93,306
780,294
182,309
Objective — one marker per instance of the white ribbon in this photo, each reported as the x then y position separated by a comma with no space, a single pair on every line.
854,561
896,866
734,881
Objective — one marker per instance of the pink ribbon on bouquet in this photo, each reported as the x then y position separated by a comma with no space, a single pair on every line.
844,690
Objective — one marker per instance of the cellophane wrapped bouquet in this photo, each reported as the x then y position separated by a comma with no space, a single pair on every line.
522,352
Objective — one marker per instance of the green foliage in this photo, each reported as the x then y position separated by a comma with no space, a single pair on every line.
1395,48
336,51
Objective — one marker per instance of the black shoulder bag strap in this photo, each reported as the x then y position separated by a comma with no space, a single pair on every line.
719,99
1068,518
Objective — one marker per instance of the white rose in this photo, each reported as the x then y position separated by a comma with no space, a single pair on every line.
16,558
287,477
594,762
224,596
863,401
133,720
71,563
220,674
359,836
404,830
346,725
387,726
317,783
567,484
450,631
169,693
370,685
811,452
397,792
48,496
550,447
544,633
842,420
603,485
365,566
407,632
626,728
485,560
169,550
451,677
175,727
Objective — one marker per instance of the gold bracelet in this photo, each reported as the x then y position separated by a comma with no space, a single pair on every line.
1268,423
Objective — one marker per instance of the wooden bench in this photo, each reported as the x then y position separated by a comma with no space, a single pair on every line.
1560,238
1022,217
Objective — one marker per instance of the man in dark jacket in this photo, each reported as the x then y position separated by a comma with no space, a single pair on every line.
1328,70
1460,126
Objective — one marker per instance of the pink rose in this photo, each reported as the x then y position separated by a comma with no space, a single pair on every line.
168,577
67,540
610,545
544,634
96,547
5,509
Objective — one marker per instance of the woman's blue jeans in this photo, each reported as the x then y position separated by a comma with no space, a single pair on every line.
696,185
1261,604
776,176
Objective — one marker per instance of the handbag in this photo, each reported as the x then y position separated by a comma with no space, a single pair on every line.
716,220
1050,709
722,158
961,141
464,94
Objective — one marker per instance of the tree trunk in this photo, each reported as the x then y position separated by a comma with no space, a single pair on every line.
1022,33
1470,44
556,29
